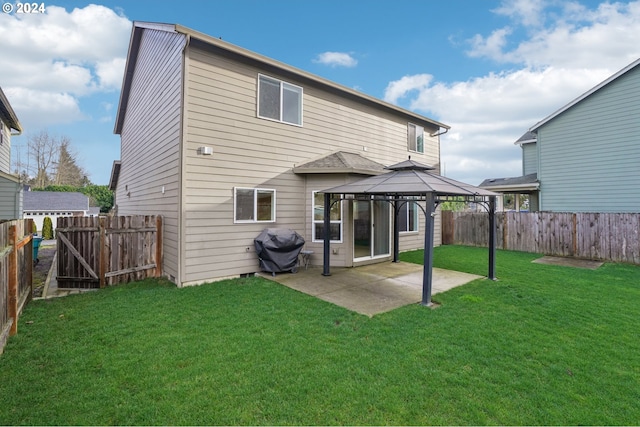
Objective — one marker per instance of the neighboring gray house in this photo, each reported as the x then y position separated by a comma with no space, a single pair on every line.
224,142
520,192
54,204
586,155
10,187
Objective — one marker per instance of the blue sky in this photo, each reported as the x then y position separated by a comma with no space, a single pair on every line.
489,69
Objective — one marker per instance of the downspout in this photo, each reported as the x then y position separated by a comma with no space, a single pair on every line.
181,275
18,213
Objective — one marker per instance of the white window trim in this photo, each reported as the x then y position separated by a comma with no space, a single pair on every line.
416,141
314,239
255,205
282,83
415,203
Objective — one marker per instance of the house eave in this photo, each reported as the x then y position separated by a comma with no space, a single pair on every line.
269,62
10,177
8,115
513,188
195,36
528,141
585,95
115,175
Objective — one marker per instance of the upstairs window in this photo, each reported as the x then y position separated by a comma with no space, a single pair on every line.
415,138
279,101
408,216
254,205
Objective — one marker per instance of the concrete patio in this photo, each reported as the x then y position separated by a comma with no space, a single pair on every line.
371,289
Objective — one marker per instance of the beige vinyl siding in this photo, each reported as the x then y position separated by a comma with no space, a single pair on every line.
220,112
150,139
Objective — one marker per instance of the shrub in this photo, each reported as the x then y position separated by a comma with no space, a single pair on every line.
35,227
47,228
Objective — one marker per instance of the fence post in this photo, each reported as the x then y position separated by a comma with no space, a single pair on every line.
505,231
29,256
492,238
158,246
102,262
448,230
574,235
13,280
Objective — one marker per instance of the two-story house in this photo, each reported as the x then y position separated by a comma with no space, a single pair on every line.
10,186
224,142
585,156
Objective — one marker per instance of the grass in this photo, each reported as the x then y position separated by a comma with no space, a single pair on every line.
543,345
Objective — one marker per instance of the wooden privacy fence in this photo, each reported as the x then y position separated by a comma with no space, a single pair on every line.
94,252
16,267
603,236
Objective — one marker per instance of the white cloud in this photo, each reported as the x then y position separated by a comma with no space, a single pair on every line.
492,46
568,50
44,108
526,12
59,57
109,72
577,38
401,88
336,59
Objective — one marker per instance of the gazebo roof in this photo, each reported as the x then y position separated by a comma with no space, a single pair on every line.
410,178
340,162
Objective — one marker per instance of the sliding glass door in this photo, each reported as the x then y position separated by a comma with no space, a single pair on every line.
371,229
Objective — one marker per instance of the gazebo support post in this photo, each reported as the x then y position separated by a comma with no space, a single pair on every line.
492,238
327,235
396,231
427,269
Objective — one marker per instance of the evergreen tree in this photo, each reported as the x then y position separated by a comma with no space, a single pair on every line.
67,170
47,228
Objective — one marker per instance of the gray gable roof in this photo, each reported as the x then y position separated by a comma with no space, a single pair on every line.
527,138
55,201
341,162
409,178
527,181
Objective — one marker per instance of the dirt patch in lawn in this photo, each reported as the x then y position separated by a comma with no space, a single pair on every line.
569,262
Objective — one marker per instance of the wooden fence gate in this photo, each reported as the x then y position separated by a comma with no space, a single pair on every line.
94,252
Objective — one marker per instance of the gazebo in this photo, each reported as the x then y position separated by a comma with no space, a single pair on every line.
413,182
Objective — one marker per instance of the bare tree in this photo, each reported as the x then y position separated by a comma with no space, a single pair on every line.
43,153
52,161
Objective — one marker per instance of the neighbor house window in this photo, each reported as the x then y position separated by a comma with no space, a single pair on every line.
280,101
408,216
415,138
254,205
335,226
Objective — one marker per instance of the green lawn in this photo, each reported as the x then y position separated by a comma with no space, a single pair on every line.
543,345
